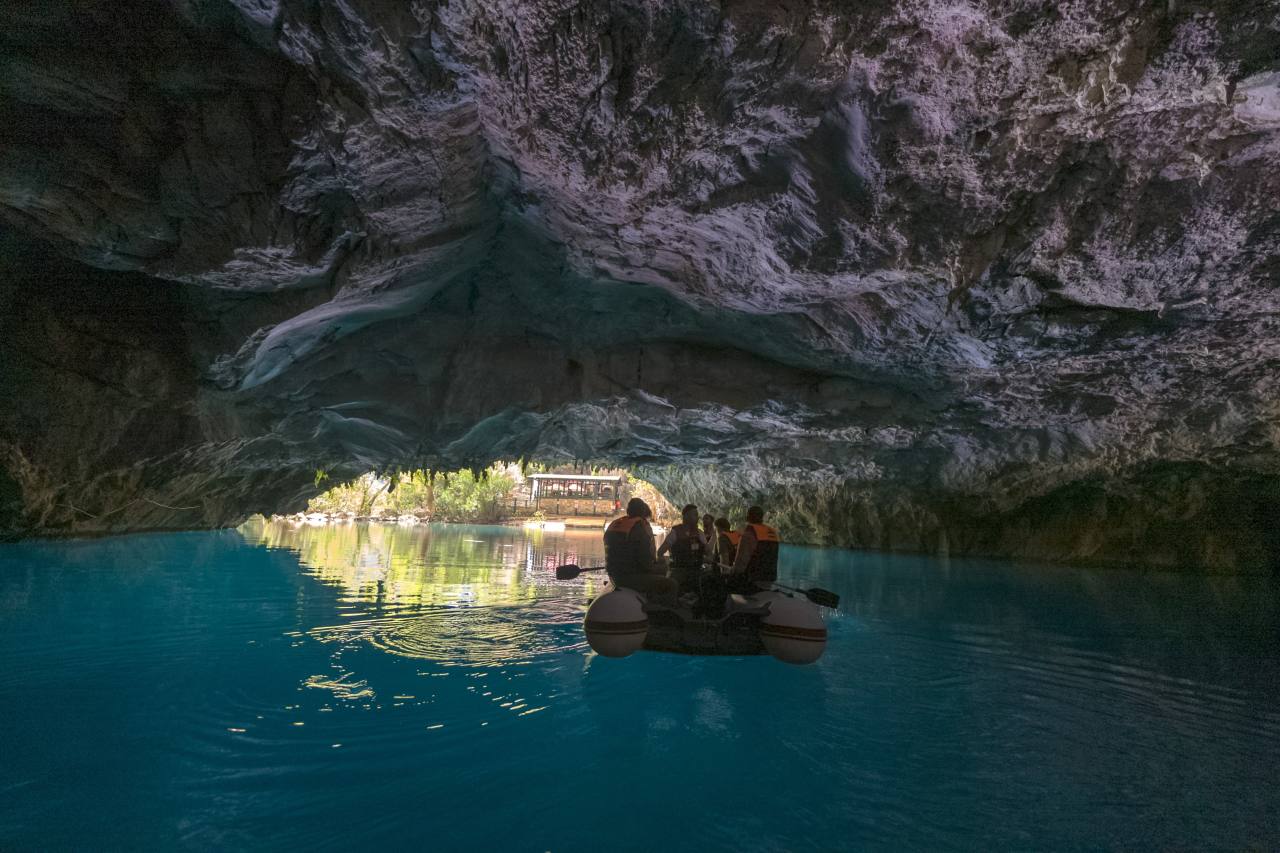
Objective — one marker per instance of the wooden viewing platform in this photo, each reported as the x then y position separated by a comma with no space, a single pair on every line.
574,500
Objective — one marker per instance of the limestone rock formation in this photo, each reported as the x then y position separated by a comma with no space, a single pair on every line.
998,276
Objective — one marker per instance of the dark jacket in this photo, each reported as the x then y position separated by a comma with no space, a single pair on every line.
628,547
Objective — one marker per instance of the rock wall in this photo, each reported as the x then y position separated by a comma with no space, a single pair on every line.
990,277
1166,516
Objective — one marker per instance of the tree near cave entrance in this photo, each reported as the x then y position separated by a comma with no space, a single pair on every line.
454,496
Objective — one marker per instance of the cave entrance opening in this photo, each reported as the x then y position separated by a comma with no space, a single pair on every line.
532,493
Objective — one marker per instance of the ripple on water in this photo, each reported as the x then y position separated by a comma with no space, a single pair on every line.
403,685
470,636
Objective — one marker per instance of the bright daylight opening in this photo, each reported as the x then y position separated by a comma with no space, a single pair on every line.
535,495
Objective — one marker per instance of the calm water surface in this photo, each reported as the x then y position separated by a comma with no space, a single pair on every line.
354,687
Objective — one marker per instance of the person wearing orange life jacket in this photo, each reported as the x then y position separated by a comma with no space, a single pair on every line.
727,541
628,552
709,536
720,582
756,563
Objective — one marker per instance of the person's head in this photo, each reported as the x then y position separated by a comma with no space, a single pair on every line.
638,508
689,515
708,521
722,524
755,515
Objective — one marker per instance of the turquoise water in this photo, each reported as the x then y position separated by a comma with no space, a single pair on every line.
428,688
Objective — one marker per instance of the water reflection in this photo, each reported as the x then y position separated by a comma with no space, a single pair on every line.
1169,625
435,678
454,594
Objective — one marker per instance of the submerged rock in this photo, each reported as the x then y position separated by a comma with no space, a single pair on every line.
987,278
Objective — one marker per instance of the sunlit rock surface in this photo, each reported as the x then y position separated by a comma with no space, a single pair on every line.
998,277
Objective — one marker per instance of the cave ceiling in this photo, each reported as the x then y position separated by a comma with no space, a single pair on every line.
983,250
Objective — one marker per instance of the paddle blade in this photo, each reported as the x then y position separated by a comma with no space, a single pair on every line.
822,597
567,572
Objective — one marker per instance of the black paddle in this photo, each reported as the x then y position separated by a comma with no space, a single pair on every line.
570,571
820,597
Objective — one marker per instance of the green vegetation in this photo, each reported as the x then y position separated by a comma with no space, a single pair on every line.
457,496
468,495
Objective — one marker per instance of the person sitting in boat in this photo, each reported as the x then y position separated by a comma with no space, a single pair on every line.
718,583
727,540
756,564
628,553
709,536
688,548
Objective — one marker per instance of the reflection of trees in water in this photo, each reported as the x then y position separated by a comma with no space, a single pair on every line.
456,594
544,553
418,565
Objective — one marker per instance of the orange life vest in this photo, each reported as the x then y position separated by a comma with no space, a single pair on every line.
624,554
729,540
622,525
763,565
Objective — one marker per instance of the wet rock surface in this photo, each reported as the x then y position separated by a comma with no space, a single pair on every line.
992,278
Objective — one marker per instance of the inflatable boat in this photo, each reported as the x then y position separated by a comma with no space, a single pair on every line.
622,621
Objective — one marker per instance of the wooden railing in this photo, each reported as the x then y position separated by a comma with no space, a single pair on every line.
563,507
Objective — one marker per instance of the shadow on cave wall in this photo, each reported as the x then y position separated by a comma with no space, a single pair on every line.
101,372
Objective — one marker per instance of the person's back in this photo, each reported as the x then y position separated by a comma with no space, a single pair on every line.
628,551
727,542
716,585
756,563
624,546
